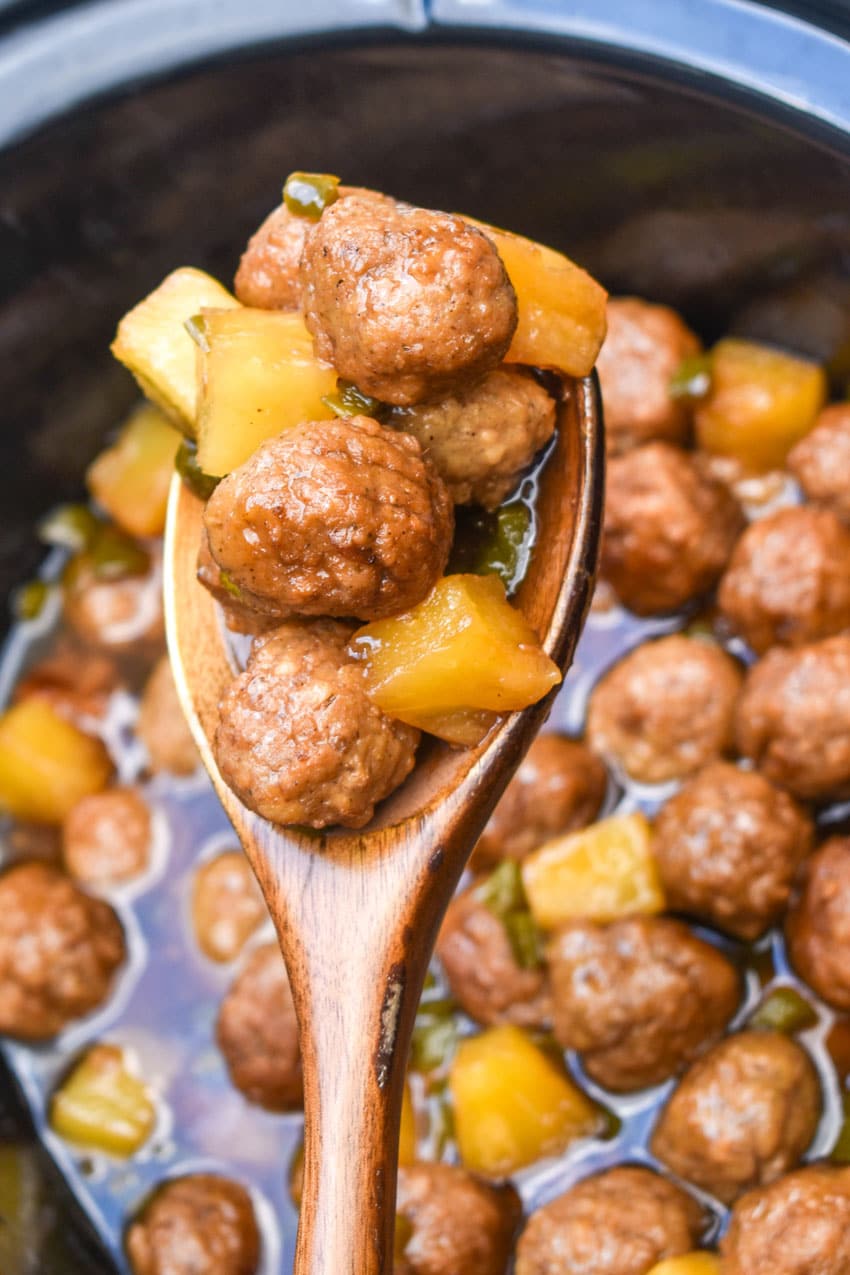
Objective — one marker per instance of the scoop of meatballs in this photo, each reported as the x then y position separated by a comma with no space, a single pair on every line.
456,1222
333,518
793,718
201,1224
728,845
788,580
818,926
559,787
821,461
669,529
666,709
644,347
638,999
742,1115
482,438
300,741
59,951
257,1033
409,304
621,1222
799,1225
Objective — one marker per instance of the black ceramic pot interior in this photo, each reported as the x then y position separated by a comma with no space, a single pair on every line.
741,223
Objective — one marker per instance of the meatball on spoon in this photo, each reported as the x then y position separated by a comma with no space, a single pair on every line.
357,914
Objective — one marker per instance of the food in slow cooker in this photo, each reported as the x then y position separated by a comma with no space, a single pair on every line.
799,1225
200,1224
820,460
107,836
257,1033
451,1221
818,925
162,726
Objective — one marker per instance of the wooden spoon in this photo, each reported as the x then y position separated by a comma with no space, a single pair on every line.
357,914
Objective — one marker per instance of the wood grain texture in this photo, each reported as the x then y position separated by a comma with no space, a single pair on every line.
357,914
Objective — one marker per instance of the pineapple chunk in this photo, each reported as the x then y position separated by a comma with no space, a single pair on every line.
258,377
102,1104
47,765
463,649
602,873
688,1264
153,343
562,317
130,479
513,1104
761,403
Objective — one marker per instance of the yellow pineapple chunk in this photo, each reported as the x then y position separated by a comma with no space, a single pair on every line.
463,650
562,319
688,1264
258,377
602,873
47,764
762,401
153,343
102,1104
513,1104
130,479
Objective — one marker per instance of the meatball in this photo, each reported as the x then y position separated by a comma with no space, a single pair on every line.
669,529
107,836
339,518
267,278
742,1115
75,682
257,1033
227,906
409,304
666,709
793,718
639,999
799,1225
481,439
59,951
162,725
457,1224
819,924
200,1224
114,614
300,741
821,461
728,846
559,787
644,347
483,971
239,615
788,579
621,1222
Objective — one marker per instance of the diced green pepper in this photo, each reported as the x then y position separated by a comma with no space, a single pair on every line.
115,555
504,894
434,1038
524,938
309,194
497,543
784,1010
692,378
29,601
350,401
186,463
69,527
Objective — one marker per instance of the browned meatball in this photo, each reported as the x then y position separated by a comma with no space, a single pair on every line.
257,1033
617,1223
821,461
201,1224
409,304
788,580
482,970
669,529
227,906
107,836
340,518
639,999
115,614
559,787
819,924
457,1223
799,1225
482,438
793,718
300,741
729,845
267,278
644,347
742,1115
162,725
666,709
239,615
75,682
59,950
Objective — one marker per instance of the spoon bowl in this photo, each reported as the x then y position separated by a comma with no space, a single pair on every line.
357,913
